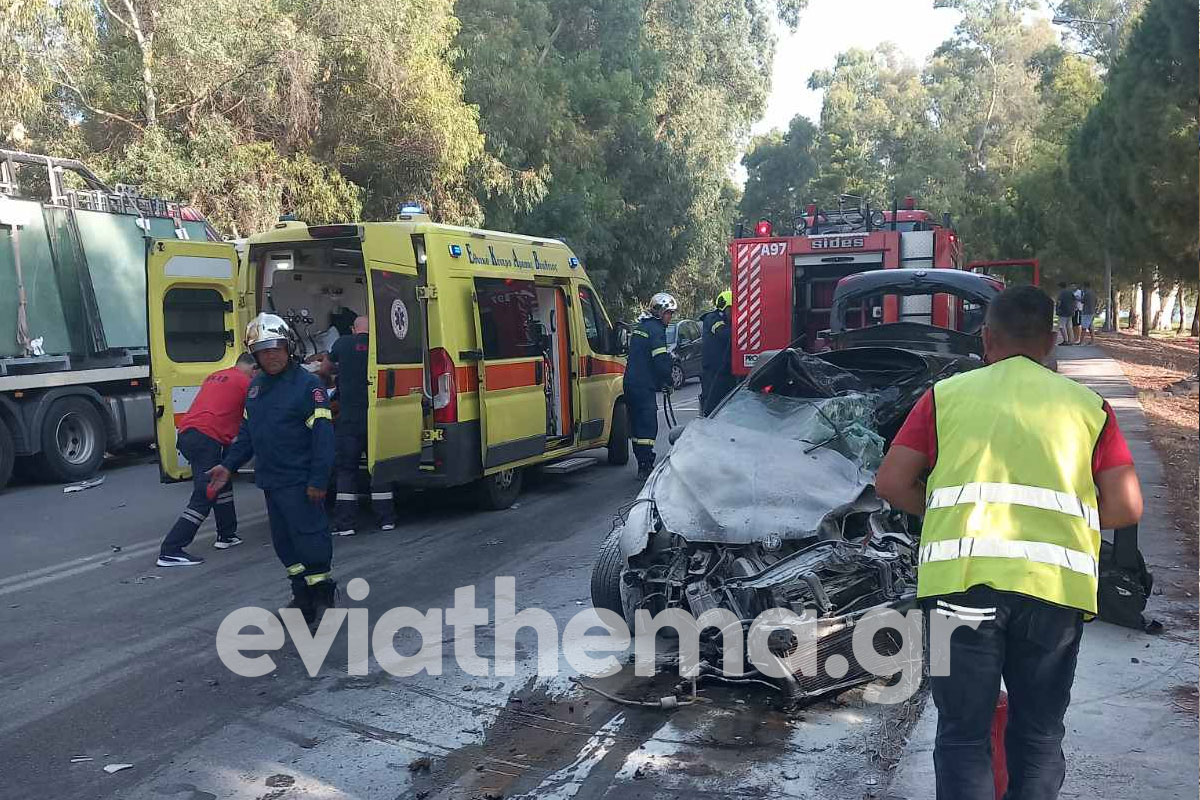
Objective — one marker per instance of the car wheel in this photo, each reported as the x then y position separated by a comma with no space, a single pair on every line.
73,440
8,454
499,490
678,378
618,436
606,575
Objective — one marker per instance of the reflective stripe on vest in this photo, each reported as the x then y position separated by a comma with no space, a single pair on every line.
1041,552
1011,502
1016,494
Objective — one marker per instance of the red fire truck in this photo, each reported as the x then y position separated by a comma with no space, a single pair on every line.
783,284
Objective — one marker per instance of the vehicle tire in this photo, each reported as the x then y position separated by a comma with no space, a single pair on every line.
606,575
678,377
73,439
618,436
8,455
499,490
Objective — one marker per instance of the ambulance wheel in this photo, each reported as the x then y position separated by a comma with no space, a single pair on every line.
618,437
8,454
499,490
606,575
73,441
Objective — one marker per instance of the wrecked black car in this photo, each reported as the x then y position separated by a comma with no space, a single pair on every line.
769,502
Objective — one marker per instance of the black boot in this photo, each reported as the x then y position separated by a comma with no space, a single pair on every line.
644,471
302,598
324,596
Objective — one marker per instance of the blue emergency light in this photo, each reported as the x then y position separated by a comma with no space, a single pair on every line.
455,250
573,261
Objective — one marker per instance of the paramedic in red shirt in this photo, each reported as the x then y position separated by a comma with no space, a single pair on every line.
205,431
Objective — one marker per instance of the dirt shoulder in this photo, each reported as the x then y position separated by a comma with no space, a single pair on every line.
1151,365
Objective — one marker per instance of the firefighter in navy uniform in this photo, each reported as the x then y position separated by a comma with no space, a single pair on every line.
716,354
288,430
648,371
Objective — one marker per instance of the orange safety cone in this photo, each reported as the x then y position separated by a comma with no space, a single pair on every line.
999,762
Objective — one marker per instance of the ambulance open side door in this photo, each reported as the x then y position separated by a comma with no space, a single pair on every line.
395,372
191,297
511,372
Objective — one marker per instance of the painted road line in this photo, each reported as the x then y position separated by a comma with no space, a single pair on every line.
78,566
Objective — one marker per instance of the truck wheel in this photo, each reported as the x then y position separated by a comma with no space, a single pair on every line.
499,490
618,436
73,441
8,454
606,575
678,376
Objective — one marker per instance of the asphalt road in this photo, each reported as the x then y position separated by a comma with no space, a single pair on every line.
107,658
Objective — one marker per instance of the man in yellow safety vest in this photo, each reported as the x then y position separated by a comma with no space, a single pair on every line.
1015,469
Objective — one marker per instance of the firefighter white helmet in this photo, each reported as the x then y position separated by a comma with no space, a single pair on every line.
266,331
662,303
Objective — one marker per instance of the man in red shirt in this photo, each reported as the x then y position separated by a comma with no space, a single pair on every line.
205,431
1015,471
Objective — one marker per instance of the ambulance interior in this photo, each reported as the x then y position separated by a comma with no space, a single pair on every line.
318,288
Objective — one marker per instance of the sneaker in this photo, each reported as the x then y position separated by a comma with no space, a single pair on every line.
387,526
227,542
180,559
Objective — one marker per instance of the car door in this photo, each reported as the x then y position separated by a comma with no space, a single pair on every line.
191,295
395,372
691,347
512,391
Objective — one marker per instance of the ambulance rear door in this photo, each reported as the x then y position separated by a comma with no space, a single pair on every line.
395,372
511,370
191,294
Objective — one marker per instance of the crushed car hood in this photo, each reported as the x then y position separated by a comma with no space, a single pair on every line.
744,482
789,455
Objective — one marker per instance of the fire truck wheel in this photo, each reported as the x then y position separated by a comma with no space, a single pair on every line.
606,575
618,437
499,490
8,453
73,441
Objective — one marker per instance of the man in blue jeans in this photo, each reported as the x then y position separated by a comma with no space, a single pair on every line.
207,428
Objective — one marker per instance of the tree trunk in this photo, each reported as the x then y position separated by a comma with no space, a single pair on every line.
1135,305
1147,303
1166,310
1196,316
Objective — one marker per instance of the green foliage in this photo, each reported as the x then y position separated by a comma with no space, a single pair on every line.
780,167
1136,154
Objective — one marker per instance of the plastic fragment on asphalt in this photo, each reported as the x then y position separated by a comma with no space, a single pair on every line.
111,768
79,487
81,759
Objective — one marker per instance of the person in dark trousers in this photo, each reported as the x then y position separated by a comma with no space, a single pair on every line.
1015,469
205,431
716,353
1064,307
648,370
349,357
288,430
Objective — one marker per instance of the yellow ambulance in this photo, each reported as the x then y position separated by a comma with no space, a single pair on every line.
490,352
